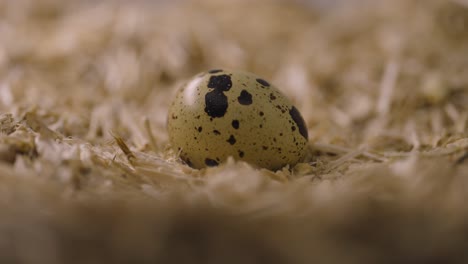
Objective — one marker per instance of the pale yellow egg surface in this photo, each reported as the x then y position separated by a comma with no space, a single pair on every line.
222,113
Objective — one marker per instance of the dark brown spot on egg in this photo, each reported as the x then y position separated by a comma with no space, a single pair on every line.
263,82
211,162
216,132
216,104
261,113
220,83
272,96
184,158
200,129
264,147
296,116
293,128
231,140
241,153
235,124
245,98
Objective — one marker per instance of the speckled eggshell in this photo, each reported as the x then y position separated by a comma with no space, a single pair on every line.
224,113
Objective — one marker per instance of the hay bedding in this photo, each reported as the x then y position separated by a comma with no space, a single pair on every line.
86,174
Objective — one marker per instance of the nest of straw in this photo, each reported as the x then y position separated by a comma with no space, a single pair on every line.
87,176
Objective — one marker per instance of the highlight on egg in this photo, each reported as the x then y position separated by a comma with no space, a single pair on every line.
223,113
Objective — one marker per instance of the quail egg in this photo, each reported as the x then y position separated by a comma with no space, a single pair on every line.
222,113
